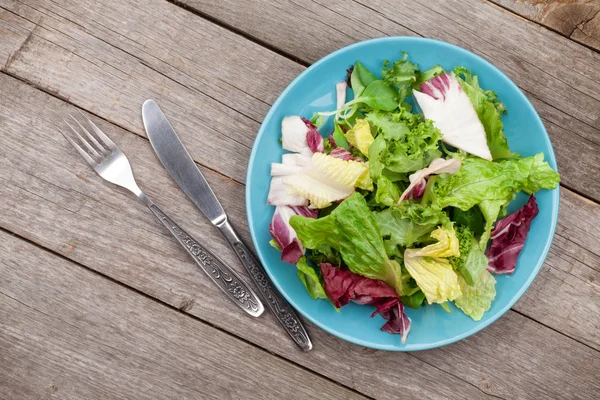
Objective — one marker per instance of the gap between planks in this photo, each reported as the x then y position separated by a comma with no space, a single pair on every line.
508,10
68,101
61,98
181,310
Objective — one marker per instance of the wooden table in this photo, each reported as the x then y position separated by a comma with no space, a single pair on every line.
97,301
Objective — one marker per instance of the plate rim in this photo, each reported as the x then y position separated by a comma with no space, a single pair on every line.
408,347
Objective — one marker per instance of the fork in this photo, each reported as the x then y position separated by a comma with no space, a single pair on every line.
110,163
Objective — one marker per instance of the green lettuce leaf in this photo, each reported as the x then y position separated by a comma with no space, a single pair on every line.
407,224
490,185
360,78
477,299
431,269
480,180
402,74
489,110
471,218
324,254
402,144
311,280
541,176
415,300
472,261
352,230
387,193
424,76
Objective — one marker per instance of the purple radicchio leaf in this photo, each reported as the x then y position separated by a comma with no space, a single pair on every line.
508,238
313,137
284,234
343,286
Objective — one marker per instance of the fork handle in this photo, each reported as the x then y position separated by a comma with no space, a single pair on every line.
281,308
224,277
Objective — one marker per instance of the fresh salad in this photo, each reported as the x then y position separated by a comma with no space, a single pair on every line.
399,208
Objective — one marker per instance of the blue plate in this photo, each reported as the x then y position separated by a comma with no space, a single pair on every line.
314,90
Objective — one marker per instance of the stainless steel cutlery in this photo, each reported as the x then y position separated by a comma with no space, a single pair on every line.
185,172
110,163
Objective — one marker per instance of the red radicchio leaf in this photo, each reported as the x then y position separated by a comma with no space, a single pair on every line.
342,153
438,86
418,190
343,286
284,234
314,138
508,239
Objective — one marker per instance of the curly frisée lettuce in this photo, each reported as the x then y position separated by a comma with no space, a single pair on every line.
394,207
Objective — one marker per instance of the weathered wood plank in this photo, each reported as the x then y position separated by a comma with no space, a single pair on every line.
209,78
51,197
575,19
69,209
68,333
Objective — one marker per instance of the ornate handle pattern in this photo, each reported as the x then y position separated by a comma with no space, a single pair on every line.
282,309
225,278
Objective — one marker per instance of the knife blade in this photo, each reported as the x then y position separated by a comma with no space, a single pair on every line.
185,172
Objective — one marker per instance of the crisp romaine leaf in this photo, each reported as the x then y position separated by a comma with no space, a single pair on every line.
489,110
352,230
311,281
471,261
343,172
491,210
360,136
541,176
479,180
327,179
476,299
446,104
430,268
490,185
360,78
508,238
402,145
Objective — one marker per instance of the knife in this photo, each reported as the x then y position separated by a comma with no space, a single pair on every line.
185,172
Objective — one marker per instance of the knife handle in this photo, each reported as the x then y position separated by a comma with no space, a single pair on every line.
281,308
224,277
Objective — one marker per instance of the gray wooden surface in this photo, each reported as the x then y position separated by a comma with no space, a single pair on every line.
90,284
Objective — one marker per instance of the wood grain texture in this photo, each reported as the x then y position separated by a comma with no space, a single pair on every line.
69,333
219,85
576,19
52,198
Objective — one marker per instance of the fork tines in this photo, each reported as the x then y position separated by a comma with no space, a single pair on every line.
97,148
